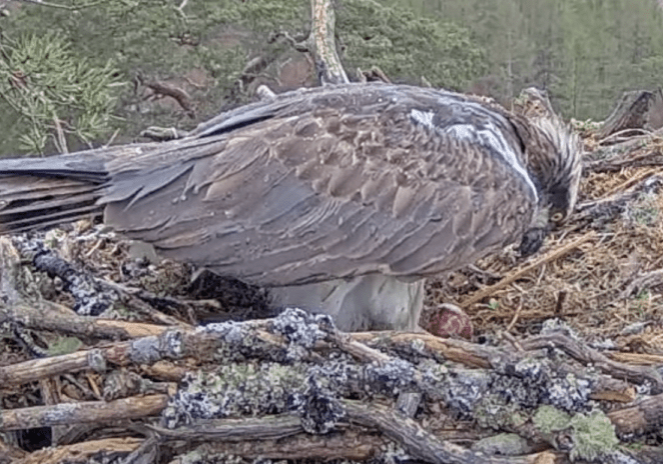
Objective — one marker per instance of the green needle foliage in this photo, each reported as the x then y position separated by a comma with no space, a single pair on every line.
407,46
86,73
54,93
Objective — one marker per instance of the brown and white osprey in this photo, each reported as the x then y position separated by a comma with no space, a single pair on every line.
340,199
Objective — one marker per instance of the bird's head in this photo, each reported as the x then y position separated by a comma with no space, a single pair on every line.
554,156
553,152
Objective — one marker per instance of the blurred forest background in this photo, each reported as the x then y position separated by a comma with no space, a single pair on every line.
83,73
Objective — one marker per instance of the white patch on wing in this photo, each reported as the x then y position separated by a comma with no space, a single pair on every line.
492,137
423,118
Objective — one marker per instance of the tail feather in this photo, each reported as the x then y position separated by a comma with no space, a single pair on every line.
77,166
32,196
44,219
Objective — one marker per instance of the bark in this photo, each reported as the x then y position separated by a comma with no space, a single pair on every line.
328,64
640,109
643,417
88,412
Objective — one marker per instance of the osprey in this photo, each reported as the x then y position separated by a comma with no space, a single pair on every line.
339,199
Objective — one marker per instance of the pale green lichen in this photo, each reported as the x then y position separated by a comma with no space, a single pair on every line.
549,419
593,434
234,390
505,444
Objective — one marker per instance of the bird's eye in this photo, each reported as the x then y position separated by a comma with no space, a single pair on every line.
556,217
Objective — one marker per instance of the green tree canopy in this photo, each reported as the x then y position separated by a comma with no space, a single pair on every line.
112,43
586,53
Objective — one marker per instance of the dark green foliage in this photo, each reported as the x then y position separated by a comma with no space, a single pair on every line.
406,46
586,53
53,92
213,39
153,39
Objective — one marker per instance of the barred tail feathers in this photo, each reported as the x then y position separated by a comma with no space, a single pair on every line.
46,192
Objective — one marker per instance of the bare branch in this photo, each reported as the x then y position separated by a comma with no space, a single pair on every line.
63,7
328,64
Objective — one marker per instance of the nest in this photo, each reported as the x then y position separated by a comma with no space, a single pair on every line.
104,360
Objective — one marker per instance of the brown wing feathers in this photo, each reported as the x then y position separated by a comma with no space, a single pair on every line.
315,185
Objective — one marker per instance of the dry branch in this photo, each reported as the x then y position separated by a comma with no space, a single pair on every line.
626,155
330,70
417,441
162,89
350,445
92,411
641,418
79,451
46,315
587,355
519,273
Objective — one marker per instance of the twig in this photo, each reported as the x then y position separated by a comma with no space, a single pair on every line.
171,344
643,133
60,140
180,8
81,452
250,428
163,89
50,316
88,412
30,371
418,442
648,279
548,257
64,7
347,446
587,355
619,163
466,353
515,317
643,359
359,350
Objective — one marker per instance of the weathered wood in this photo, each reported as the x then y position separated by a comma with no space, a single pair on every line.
328,64
88,412
46,315
418,442
347,446
80,452
587,355
36,369
643,417
638,109
628,154
245,429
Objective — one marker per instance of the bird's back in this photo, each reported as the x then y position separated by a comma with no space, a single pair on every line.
312,185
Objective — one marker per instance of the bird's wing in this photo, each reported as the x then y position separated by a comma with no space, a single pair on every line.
338,182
